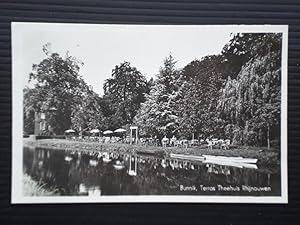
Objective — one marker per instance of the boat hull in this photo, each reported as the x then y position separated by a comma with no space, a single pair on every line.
232,164
188,157
230,159
214,158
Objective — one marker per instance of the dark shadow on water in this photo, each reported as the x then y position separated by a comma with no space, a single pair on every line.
93,173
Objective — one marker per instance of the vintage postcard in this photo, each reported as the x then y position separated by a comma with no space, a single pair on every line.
149,113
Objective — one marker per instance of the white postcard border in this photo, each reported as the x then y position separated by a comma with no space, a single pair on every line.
17,124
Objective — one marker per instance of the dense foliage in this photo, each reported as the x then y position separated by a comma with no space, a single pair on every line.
250,103
123,94
233,95
59,92
158,115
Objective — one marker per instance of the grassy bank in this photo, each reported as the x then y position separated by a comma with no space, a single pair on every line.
34,188
264,156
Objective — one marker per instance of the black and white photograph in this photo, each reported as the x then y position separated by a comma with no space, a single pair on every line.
149,113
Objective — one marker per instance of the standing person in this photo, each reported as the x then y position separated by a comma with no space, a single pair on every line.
209,144
173,141
156,141
165,141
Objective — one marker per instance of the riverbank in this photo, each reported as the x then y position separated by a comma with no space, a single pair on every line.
264,156
34,188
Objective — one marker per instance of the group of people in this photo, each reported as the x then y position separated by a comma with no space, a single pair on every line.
211,143
155,141
219,143
103,139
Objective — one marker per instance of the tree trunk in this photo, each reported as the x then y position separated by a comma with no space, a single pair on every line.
268,135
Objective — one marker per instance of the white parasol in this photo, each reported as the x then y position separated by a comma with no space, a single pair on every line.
120,130
70,131
107,132
95,131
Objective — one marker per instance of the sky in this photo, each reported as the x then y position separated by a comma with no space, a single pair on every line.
101,47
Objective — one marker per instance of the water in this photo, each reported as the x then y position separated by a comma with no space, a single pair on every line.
91,173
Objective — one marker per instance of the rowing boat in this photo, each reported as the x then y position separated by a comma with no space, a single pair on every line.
188,157
224,163
232,164
230,159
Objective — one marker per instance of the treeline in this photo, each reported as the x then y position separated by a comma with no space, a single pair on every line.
233,95
68,102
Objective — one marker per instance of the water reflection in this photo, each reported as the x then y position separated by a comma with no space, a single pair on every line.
111,173
132,170
90,191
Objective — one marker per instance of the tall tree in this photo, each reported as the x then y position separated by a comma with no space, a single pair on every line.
158,114
58,85
246,46
201,81
88,113
123,94
251,101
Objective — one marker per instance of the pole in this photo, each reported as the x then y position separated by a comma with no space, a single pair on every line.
136,136
268,136
130,136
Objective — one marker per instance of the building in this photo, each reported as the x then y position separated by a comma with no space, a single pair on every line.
40,124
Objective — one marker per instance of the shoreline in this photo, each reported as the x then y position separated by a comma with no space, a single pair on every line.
266,157
32,187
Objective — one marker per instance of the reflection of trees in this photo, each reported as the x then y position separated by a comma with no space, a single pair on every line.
51,170
28,159
152,178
